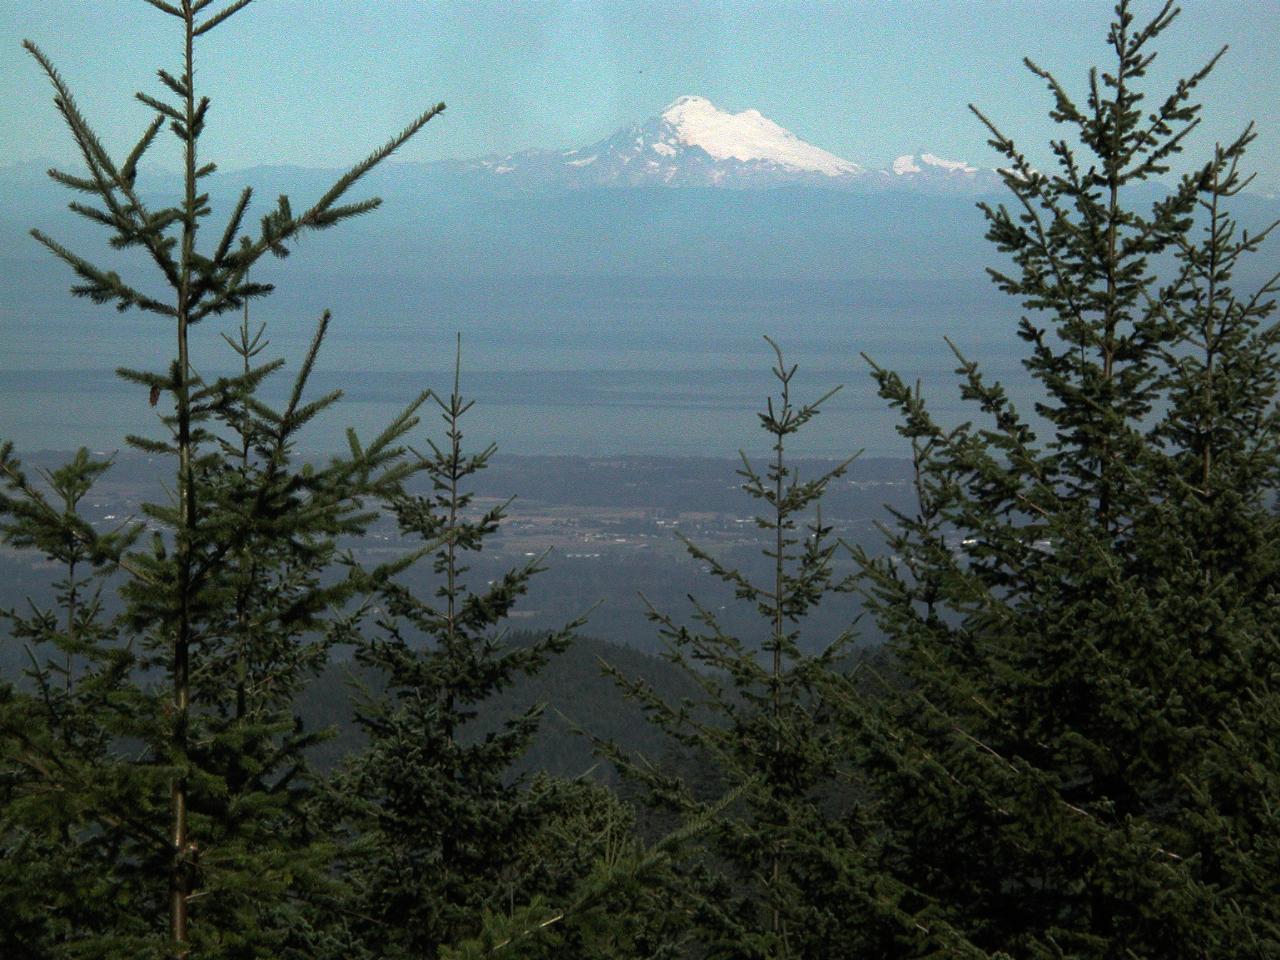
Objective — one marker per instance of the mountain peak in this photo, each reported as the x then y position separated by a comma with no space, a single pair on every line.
688,101
747,136
694,143
910,163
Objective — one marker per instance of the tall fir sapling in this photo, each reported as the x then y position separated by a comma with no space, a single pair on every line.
438,823
204,817
58,860
767,883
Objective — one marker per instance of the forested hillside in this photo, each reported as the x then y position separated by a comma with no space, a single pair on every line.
241,731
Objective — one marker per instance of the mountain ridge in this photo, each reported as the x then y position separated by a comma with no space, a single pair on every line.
693,143
689,144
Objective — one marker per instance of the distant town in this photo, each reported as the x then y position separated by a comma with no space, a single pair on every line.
607,530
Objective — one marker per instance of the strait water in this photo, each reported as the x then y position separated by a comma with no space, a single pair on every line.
659,377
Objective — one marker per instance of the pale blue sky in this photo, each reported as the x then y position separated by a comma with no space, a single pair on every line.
317,82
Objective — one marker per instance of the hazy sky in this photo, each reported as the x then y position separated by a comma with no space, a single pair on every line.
317,82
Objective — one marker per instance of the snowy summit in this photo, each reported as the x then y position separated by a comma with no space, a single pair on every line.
912,163
747,136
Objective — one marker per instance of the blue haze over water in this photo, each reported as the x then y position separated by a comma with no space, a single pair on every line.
594,369
593,322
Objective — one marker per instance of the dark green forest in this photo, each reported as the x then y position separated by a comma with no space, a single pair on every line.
231,738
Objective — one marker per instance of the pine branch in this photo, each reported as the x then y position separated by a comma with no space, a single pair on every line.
223,14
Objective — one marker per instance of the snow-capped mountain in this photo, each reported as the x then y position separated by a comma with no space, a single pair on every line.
928,171
909,164
747,137
693,143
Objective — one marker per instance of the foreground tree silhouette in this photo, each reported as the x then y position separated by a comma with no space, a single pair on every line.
1083,761
779,873
219,603
439,827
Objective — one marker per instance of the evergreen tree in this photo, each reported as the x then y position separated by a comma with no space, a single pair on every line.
1085,611
438,826
617,897
780,867
171,746
58,861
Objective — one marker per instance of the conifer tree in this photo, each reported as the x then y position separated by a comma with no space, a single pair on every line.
198,815
616,899
780,866
1085,611
439,827
57,859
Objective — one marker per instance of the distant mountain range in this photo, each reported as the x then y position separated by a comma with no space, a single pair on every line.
693,143
694,191
694,213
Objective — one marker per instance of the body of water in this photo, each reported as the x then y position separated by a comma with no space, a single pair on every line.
668,370
665,411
